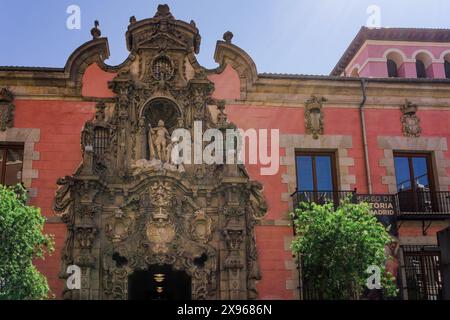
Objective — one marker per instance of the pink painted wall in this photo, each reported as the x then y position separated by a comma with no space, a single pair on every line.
60,123
379,69
60,155
228,82
95,82
289,120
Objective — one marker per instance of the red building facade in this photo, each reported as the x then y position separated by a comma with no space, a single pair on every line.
369,128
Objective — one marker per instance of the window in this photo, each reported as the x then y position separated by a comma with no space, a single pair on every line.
414,182
412,172
421,273
316,176
392,69
101,138
315,172
11,163
394,63
447,69
420,69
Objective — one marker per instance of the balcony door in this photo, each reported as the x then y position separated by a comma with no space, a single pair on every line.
316,176
414,182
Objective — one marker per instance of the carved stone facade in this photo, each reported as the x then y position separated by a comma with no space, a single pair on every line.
410,121
127,207
6,109
314,118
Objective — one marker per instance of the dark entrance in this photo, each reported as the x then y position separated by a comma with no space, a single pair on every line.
159,283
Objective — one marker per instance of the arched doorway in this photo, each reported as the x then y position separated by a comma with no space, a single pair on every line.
159,283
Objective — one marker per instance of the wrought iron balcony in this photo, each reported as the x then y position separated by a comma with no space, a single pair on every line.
407,205
321,197
432,204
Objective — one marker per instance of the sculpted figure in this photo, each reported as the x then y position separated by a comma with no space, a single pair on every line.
158,141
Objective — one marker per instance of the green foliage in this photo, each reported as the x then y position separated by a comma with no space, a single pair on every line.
338,245
21,241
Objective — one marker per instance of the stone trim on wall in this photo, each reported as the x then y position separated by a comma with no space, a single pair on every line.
337,143
292,265
434,145
418,240
29,137
292,143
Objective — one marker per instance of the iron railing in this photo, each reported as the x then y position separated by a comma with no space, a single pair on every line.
321,197
412,203
420,273
407,204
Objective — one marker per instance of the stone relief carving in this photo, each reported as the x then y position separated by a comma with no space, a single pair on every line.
119,227
160,233
410,121
6,109
127,207
201,227
314,117
85,236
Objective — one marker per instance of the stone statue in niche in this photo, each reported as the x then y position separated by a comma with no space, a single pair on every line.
159,142
160,146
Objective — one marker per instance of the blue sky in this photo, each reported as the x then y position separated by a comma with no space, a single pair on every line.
285,36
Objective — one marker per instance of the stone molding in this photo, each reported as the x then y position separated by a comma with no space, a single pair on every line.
292,143
29,137
334,143
434,145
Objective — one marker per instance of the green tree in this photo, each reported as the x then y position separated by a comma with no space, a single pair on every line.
338,245
21,241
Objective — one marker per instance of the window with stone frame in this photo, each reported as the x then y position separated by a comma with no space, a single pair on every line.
316,176
415,182
11,164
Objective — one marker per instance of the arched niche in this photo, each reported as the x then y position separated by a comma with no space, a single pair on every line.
161,109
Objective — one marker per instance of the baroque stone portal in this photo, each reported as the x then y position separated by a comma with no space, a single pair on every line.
128,208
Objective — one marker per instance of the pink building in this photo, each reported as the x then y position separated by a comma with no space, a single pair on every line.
397,52
377,127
